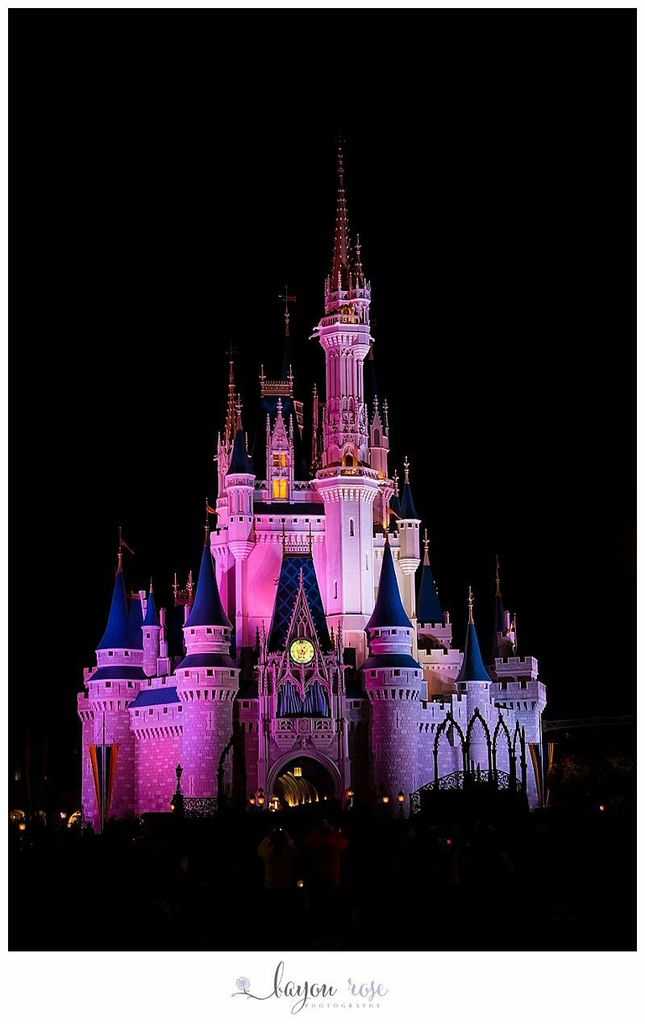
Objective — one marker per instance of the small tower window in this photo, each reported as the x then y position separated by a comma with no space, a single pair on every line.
280,459
351,527
280,490
377,438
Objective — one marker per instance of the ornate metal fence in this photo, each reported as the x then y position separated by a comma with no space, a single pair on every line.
497,780
200,806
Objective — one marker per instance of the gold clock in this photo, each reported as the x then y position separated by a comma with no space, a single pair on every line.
302,651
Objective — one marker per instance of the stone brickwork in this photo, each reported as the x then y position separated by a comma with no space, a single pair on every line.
156,759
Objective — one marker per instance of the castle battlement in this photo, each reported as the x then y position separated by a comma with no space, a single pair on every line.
515,667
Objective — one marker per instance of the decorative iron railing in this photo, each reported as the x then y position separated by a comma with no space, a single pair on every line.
497,780
200,806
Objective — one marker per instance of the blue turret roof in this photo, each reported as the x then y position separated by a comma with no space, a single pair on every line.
151,619
472,668
429,606
207,609
388,610
135,622
240,462
158,695
116,631
408,511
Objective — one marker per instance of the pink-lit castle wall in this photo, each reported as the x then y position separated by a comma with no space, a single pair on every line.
310,661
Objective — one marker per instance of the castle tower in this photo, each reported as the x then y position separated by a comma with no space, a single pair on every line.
409,552
280,457
207,681
151,636
240,480
392,681
347,483
474,680
108,744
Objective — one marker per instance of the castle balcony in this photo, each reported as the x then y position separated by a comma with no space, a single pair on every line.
300,733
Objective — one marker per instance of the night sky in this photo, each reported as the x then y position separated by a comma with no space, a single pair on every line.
170,172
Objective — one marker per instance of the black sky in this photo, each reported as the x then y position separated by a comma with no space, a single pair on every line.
170,170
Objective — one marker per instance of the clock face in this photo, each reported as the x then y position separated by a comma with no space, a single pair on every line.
302,651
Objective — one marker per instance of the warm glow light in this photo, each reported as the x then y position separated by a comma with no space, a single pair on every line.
602,807
297,771
22,826
300,883
261,797
386,799
252,800
172,807
350,793
63,815
401,797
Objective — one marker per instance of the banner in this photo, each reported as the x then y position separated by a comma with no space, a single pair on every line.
104,783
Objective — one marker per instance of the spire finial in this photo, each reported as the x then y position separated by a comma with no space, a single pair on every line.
287,299
284,538
426,548
229,429
406,469
340,260
175,586
206,522
123,546
498,582
151,587
396,482
471,602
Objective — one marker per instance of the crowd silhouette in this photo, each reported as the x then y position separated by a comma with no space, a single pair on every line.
326,878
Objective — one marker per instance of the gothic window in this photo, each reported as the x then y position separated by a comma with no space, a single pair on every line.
280,459
377,438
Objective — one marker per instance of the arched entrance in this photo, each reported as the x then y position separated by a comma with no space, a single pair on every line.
302,781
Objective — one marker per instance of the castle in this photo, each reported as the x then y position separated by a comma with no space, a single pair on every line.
306,664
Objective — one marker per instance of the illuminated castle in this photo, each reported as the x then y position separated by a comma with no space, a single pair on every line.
309,662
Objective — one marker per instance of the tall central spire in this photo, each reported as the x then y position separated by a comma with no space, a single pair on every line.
342,249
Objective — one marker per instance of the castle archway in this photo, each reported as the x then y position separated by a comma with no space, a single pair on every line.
304,779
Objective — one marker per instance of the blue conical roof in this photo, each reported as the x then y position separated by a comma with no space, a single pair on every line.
240,462
472,668
135,622
207,609
408,511
116,631
429,606
151,619
388,610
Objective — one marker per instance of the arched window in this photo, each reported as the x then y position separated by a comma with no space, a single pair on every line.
351,527
280,490
349,459
377,438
